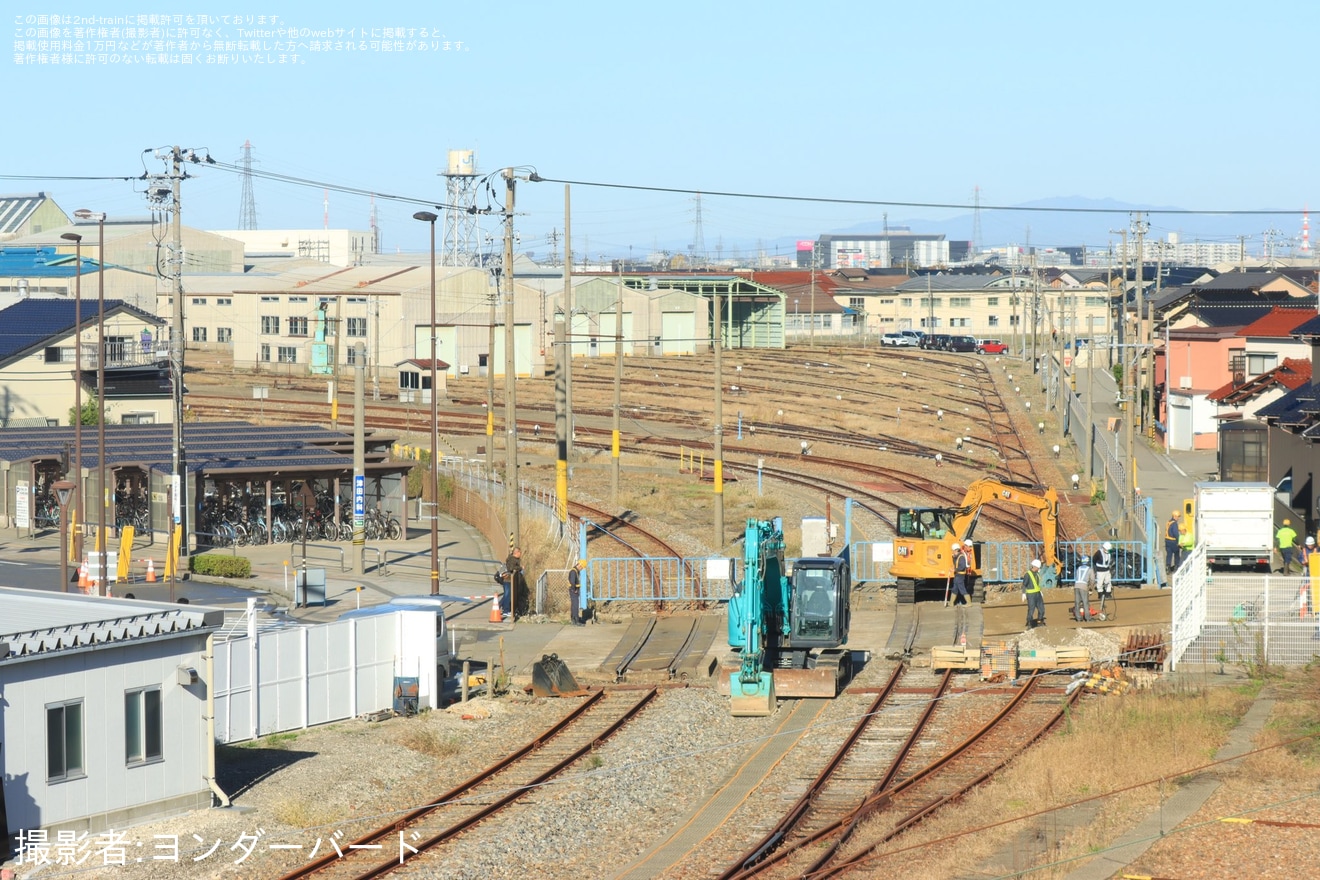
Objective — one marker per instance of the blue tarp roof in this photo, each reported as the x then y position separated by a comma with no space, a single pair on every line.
41,262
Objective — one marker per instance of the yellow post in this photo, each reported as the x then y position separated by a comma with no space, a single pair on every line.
125,553
172,556
73,536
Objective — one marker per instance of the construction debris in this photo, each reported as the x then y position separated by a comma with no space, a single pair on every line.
1146,649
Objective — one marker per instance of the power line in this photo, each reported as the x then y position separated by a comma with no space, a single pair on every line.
536,178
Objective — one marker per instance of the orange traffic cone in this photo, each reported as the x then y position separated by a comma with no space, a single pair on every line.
151,571
82,577
496,616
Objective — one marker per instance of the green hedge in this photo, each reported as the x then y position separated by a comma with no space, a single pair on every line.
221,566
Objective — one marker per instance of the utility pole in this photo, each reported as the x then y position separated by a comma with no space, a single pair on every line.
1150,397
811,333
1143,336
618,389
360,453
510,365
490,381
719,426
561,426
567,352
180,457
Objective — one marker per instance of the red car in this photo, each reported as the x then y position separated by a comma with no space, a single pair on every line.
990,346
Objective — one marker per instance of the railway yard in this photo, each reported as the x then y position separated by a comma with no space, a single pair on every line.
911,771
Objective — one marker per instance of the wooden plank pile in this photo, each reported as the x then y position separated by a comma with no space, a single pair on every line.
955,657
1054,658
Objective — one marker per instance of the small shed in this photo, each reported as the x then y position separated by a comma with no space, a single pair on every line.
105,708
415,380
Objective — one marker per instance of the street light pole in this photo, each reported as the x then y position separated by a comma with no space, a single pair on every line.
77,391
63,491
101,542
429,217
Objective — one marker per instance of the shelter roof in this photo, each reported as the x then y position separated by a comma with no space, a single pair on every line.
424,363
38,623
216,449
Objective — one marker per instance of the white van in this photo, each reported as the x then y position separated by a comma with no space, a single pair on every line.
444,658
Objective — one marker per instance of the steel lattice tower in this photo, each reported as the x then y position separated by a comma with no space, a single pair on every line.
247,212
698,249
462,232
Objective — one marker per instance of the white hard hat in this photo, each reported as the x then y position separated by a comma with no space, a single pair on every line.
1035,563
956,545
967,542
1310,542
1107,545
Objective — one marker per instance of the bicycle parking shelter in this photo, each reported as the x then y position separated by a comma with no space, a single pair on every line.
224,461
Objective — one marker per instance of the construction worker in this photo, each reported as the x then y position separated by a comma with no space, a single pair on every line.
1286,538
961,564
1032,596
575,592
1102,564
1172,544
1082,591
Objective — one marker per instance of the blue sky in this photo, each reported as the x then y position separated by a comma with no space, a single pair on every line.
1178,104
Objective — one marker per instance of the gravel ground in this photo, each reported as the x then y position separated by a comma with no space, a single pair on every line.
348,777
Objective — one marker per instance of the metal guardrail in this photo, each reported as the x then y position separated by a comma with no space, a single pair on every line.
659,579
305,556
380,565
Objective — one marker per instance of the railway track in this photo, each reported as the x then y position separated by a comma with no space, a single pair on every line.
864,763
915,788
418,835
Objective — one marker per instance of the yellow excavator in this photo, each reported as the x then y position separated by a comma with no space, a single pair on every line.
923,547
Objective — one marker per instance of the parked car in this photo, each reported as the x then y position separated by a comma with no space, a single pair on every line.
938,342
897,339
990,346
915,335
961,343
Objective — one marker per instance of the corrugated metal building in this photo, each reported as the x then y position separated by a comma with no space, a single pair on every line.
105,710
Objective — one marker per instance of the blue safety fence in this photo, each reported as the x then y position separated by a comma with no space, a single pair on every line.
1008,561
657,579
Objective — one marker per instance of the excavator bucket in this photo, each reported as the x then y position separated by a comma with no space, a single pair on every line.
551,678
751,699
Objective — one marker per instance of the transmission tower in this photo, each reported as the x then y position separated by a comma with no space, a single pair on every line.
462,233
247,211
976,220
698,249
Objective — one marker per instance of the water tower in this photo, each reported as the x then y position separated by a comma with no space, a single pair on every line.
462,233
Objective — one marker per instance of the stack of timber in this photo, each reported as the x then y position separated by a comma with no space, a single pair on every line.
1054,658
955,657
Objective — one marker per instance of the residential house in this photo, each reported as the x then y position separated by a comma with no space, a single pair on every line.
38,355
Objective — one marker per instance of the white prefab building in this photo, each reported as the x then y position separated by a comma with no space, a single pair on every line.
105,708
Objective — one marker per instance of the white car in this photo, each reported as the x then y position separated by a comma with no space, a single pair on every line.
897,339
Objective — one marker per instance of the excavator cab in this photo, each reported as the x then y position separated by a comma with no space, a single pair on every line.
819,609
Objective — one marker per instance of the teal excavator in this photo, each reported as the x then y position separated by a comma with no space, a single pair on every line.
788,628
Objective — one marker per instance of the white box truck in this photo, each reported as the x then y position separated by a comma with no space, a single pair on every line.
1235,524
